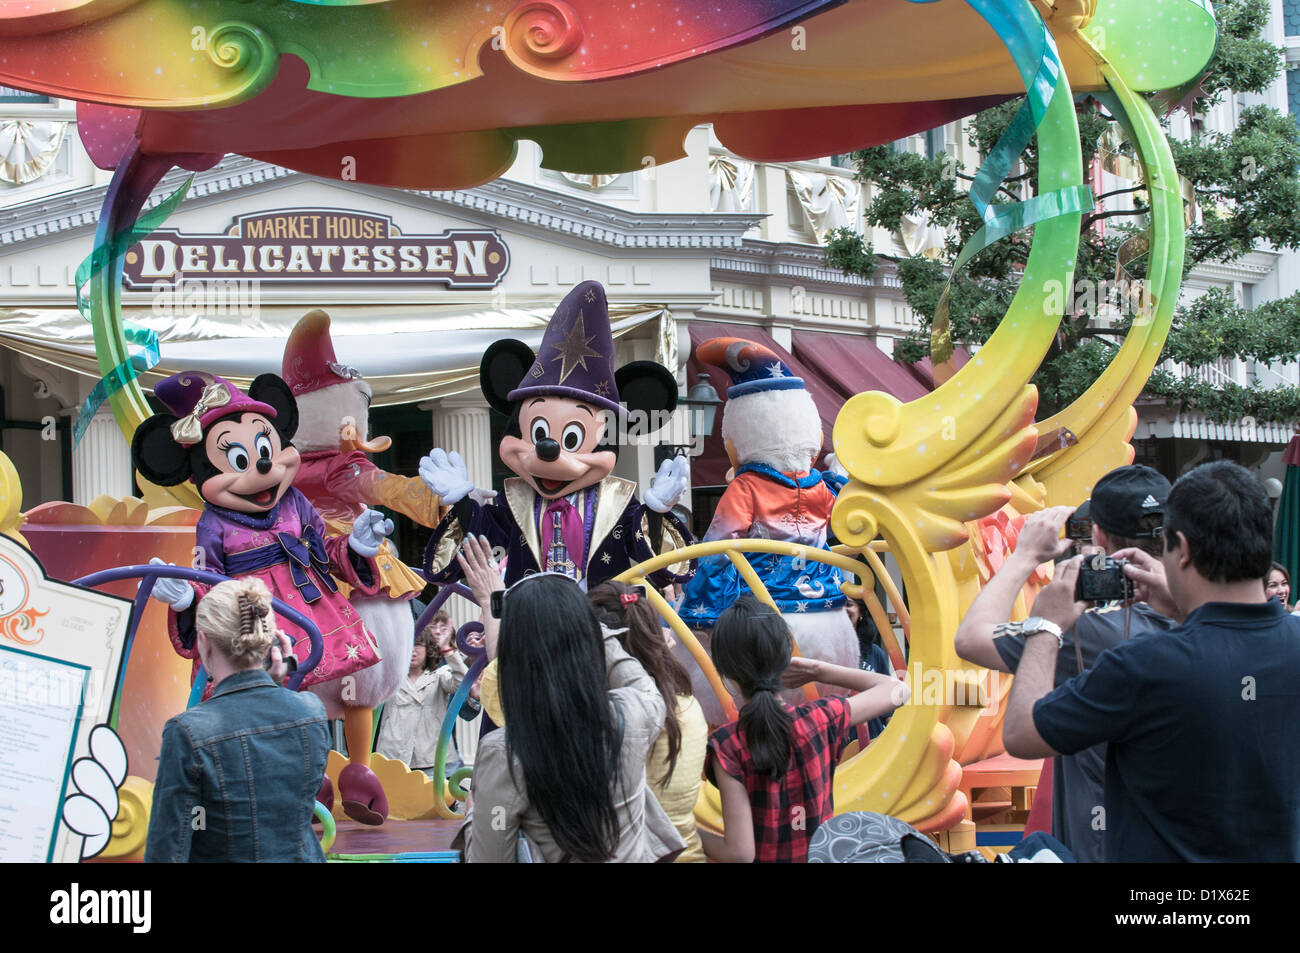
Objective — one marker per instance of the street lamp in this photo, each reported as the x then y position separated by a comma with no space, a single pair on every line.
701,403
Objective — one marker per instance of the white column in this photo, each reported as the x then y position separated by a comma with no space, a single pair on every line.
101,463
463,424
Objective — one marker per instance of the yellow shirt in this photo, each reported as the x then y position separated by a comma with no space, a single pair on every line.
678,796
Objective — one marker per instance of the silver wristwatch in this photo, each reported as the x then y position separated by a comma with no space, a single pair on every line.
1035,624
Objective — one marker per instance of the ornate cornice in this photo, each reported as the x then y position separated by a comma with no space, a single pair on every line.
798,263
1248,269
528,207
558,213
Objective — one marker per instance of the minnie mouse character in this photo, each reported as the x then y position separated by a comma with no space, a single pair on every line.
563,512
236,449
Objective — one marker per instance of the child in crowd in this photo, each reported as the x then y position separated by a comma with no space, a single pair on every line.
413,717
675,763
775,764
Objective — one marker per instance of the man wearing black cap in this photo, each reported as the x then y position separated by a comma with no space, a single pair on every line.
1203,760
1126,510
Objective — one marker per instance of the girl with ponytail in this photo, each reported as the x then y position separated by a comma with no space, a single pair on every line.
676,762
774,766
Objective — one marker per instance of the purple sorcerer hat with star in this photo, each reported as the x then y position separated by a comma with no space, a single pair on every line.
576,358
752,367
198,399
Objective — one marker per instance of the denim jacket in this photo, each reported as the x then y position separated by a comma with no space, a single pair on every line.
238,775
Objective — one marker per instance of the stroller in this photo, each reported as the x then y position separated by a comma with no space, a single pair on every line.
864,837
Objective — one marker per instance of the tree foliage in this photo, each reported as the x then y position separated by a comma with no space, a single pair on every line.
1248,192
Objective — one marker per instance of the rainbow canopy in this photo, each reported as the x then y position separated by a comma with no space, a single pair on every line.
437,93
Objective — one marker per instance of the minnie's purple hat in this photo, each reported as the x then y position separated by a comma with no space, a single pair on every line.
576,358
200,399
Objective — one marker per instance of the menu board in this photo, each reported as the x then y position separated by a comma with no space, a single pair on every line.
60,657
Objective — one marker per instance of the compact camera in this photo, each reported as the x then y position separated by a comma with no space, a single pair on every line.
1102,579
290,663
1079,530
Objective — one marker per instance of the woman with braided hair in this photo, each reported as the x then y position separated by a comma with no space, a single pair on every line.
238,773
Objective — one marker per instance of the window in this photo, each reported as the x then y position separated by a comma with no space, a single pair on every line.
1293,93
1291,17
936,142
408,426
8,95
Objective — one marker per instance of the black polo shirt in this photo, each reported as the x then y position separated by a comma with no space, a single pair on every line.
1203,762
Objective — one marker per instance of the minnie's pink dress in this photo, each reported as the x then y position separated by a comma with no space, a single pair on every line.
288,550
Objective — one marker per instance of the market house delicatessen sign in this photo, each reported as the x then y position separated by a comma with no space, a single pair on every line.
319,244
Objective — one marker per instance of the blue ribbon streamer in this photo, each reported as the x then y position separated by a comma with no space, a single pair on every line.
103,256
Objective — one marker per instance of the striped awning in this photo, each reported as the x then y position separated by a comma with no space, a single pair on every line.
406,354
1193,426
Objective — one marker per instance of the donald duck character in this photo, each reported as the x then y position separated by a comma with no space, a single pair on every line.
772,433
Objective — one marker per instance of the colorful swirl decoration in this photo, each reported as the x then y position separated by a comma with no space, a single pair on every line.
22,621
448,97
544,29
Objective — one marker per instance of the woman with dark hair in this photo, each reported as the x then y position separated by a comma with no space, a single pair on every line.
1277,583
412,717
567,773
872,656
774,766
676,762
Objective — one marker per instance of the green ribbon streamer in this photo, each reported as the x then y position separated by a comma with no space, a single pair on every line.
103,256
1033,49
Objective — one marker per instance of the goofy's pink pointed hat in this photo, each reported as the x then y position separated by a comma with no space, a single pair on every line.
309,360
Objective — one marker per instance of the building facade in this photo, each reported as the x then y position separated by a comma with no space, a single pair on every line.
712,242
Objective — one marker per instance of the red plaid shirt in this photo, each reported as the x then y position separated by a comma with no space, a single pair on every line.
786,812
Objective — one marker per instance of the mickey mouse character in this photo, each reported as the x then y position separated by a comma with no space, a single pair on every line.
236,449
563,512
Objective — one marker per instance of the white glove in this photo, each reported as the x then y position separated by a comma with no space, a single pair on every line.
445,474
91,810
668,485
177,593
369,530
482,497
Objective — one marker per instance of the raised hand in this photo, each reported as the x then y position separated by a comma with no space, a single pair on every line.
1040,538
177,593
369,530
668,485
446,474
479,568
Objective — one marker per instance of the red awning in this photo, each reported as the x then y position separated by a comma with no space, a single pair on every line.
853,365
834,367
924,372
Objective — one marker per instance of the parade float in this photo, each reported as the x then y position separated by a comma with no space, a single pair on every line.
436,94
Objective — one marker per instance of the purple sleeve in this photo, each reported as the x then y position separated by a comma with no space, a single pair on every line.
209,541
210,553
466,518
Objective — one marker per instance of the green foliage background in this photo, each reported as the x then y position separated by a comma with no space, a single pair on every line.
1247,188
